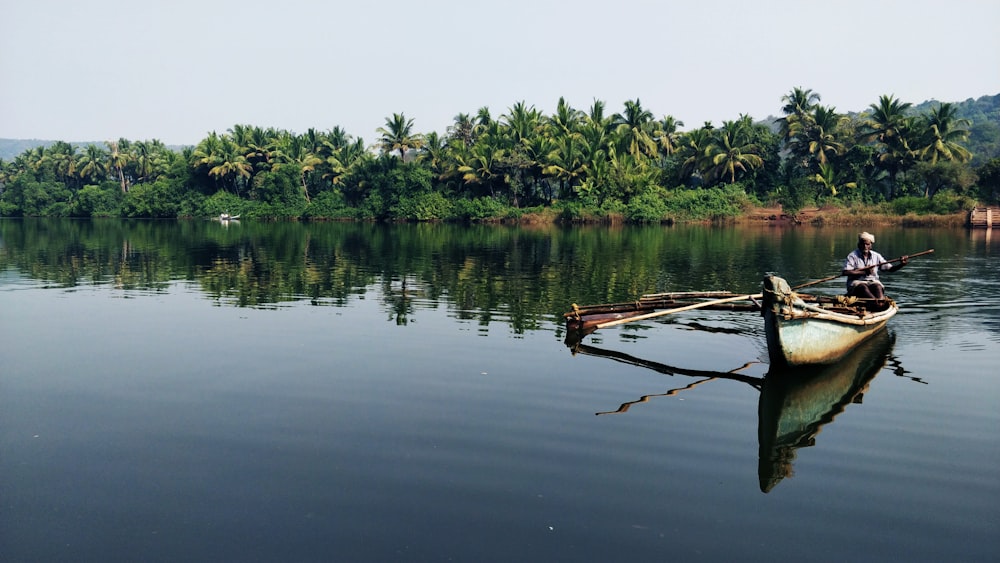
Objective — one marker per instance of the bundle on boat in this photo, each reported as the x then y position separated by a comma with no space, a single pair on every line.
587,318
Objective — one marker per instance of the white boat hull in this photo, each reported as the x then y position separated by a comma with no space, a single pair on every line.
802,334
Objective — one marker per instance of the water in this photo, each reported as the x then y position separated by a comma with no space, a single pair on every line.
286,392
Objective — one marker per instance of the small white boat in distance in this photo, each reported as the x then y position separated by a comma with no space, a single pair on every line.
228,217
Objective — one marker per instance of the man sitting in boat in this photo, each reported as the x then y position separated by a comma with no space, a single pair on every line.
862,266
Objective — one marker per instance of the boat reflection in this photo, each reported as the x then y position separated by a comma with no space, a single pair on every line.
794,405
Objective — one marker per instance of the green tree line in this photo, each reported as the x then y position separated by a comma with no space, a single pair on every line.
572,164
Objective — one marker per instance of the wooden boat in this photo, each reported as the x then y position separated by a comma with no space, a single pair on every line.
795,404
801,329
820,331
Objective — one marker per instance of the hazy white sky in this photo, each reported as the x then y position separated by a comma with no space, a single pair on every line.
92,70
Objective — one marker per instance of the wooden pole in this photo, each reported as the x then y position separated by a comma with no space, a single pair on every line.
678,310
875,266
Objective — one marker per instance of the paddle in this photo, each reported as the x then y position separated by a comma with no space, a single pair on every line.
875,266
678,310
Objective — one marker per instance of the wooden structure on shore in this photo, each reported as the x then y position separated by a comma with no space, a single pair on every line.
984,217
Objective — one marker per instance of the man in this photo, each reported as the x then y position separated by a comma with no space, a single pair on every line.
862,266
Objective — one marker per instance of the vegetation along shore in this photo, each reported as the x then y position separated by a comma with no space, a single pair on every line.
893,162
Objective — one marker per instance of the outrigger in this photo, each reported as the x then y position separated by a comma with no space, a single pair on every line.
801,329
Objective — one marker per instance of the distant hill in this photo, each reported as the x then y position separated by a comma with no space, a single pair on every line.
984,134
9,148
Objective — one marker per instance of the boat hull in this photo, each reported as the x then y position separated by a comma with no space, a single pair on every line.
800,334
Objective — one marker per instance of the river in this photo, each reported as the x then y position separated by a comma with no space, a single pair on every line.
200,391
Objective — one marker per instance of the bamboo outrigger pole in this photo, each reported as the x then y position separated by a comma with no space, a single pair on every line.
678,310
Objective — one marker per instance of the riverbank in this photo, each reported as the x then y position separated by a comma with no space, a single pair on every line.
772,215
828,215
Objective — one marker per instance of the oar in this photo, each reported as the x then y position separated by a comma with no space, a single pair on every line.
875,266
678,310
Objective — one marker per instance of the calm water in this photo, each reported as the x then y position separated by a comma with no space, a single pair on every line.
287,392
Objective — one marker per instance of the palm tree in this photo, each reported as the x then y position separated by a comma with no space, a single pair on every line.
827,178
566,163
231,167
634,129
144,160
943,131
62,157
522,121
297,151
93,164
887,123
118,160
206,154
889,126
816,135
695,148
734,152
480,165
665,134
462,129
565,120
434,152
398,135
797,105
628,173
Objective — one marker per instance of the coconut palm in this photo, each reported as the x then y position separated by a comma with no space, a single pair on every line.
522,122
665,134
61,157
565,120
595,117
566,163
816,135
93,164
887,122
297,151
634,129
480,166
145,161
827,178
695,150
890,127
434,153
942,135
797,105
118,160
231,168
462,129
733,151
398,135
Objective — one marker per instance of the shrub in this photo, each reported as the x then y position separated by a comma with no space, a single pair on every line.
426,206
650,207
98,201
328,205
478,209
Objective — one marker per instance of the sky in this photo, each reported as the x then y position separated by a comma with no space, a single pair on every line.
97,70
